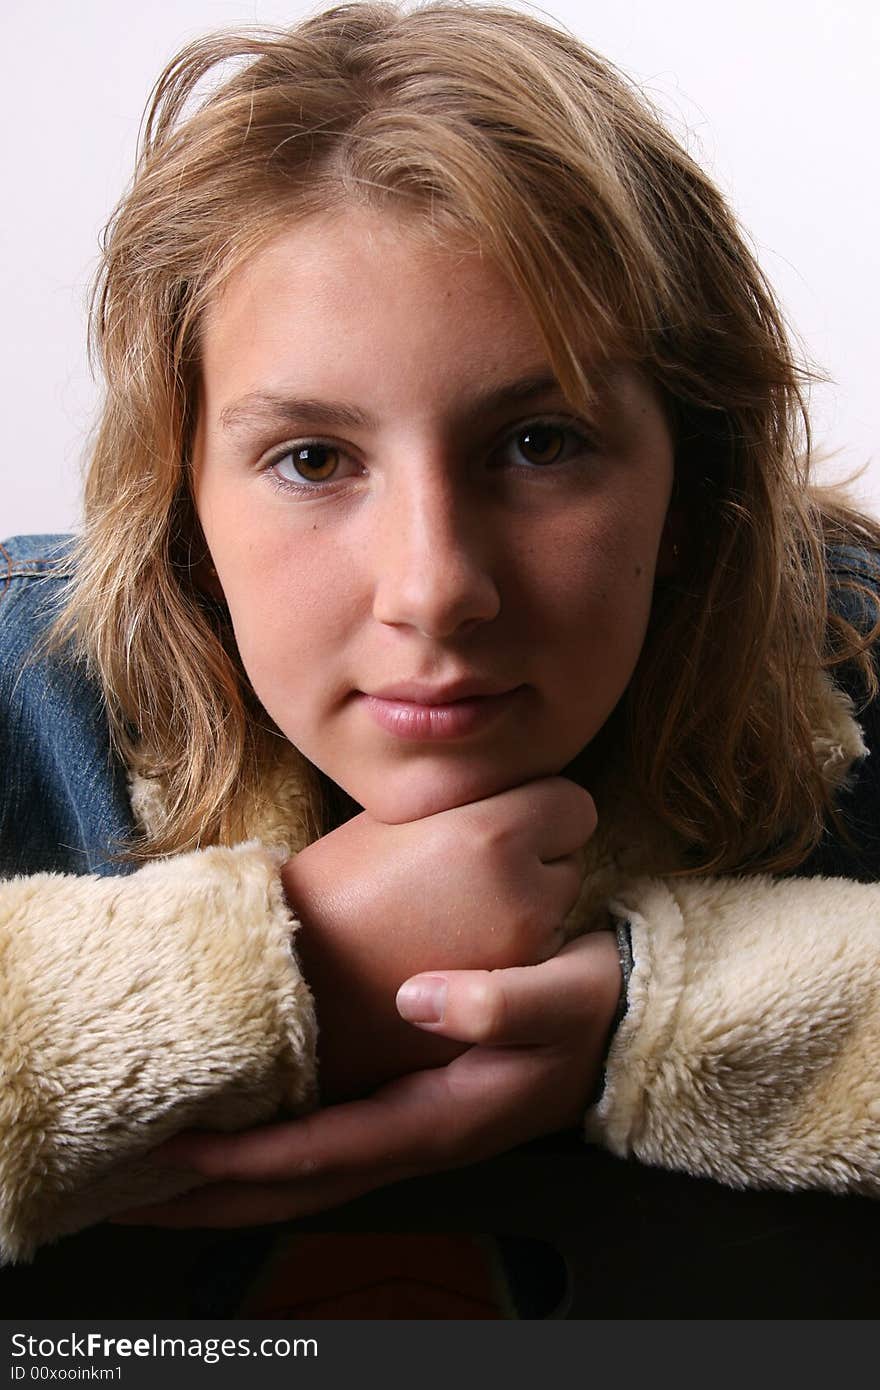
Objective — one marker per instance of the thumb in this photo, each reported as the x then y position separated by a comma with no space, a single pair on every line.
531,1004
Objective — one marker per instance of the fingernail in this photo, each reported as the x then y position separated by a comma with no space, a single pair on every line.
423,1000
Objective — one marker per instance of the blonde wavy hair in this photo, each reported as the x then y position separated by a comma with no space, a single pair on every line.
494,124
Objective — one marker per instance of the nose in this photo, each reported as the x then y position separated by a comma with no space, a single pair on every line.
433,567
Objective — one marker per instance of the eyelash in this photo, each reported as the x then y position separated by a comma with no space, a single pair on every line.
573,431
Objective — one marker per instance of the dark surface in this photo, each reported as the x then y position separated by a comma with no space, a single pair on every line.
641,1243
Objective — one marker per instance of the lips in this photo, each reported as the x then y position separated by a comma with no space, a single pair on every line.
423,693
412,710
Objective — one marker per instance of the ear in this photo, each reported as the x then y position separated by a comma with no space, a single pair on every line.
669,555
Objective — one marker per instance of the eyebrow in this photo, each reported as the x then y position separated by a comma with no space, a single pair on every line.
266,408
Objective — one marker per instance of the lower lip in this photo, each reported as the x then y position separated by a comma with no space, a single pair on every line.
408,720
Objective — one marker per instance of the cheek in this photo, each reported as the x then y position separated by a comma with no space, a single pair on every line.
593,574
280,578
596,605
292,616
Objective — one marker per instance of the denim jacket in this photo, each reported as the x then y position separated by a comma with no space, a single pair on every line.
63,795
64,803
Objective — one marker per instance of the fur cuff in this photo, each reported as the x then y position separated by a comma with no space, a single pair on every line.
132,1008
749,1051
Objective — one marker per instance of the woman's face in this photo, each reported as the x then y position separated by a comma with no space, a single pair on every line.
439,577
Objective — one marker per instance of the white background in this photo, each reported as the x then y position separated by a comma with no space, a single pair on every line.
777,98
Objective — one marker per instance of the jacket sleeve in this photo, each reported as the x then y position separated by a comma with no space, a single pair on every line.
750,1049
133,1007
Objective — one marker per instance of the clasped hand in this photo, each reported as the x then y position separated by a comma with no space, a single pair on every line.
447,1008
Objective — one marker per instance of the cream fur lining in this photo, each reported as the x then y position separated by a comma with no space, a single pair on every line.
134,1007
750,1049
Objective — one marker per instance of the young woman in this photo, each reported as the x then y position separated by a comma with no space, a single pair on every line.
454,640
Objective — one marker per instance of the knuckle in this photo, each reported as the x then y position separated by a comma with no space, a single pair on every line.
307,1155
488,1005
492,827
577,804
495,836
312,1165
589,813
454,1141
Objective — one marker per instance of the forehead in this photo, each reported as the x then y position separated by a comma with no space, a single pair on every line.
360,271
373,307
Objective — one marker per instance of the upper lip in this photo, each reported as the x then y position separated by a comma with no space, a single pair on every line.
421,693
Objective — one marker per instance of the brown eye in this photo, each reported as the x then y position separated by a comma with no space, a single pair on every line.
313,462
541,443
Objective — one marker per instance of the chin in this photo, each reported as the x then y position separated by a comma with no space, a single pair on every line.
409,794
